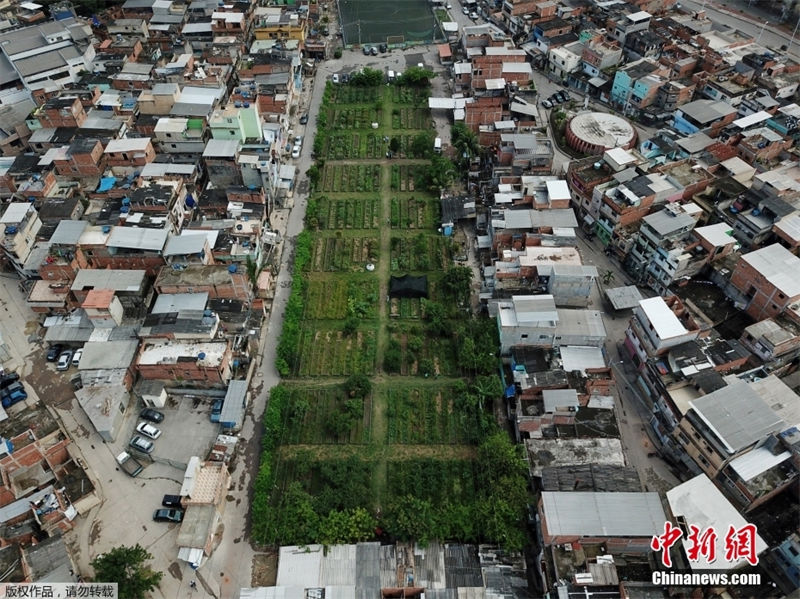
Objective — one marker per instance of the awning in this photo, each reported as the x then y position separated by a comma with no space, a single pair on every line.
588,219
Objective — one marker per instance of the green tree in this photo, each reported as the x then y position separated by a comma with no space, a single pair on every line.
350,325
417,77
337,53
422,145
457,281
393,358
127,567
608,277
435,317
357,385
441,173
252,271
394,145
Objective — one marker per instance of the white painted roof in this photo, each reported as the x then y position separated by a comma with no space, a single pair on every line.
558,190
664,321
136,144
699,502
779,266
717,235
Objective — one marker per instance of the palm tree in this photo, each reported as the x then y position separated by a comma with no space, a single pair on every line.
608,277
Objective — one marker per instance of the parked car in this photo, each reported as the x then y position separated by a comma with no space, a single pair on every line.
345,78
373,51
171,501
365,49
304,119
151,415
141,444
473,16
547,103
384,48
148,430
448,6
167,515
76,357
216,410
465,10
54,351
298,140
335,78
8,379
555,99
564,95
64,360
12,394
296,152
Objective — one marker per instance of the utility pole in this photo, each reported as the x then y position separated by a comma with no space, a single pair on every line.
758,41
359,32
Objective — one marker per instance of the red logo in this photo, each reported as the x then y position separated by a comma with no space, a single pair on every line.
665,541
739,544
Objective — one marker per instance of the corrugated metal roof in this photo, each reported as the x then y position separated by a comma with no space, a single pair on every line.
233,414
368,574
299,566
338,566
68,232
779,266
603,514
737,415
137,238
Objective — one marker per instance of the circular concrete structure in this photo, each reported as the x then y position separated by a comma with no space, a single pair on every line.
596,132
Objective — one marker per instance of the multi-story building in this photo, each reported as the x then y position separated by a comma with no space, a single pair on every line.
534,320
566,59
733,436
768,281
178,135
659,231
279,23
657,325
134,152
20,223
630,23
241,123
775,341
708,116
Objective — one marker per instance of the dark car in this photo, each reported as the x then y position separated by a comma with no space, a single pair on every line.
54,351
564,96
171,501
151,415
555,99
384,48
8,379
366,50
12,394
167,515
304,119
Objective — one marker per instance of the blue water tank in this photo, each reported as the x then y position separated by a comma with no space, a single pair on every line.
208,313
246,105
106,229
126,201
201,355
124,209
232,268
190,201
11,229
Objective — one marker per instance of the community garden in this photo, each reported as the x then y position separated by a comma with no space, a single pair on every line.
384,420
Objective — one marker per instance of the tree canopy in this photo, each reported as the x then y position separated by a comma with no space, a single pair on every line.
126,566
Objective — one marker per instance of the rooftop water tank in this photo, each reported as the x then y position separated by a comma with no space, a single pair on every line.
232,268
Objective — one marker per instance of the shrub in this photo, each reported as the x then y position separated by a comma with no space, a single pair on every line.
337,53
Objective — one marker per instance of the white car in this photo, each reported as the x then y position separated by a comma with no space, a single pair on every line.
298,140
64,360
465,10
335,78
76,357
296,152
473,16
148,430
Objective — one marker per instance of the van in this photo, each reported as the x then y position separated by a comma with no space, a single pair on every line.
390,75
437,145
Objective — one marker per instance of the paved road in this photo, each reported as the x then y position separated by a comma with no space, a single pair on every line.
745,19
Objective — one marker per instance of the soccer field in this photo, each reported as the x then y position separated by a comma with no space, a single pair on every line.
392,21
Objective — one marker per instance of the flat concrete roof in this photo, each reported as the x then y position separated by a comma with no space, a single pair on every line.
664,321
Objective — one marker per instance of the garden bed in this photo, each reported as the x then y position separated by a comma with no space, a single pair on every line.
410,95
407,177
413,212
348,213
426,415
411,118
360,117
419,253
349,94
326,416
329,352
351,177
343,254
332,298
